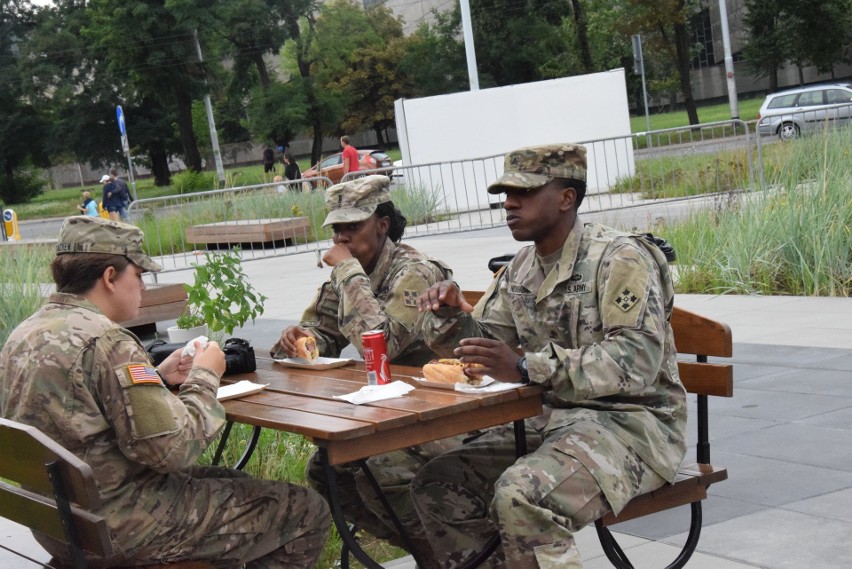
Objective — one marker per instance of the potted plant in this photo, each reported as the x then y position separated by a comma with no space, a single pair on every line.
220,298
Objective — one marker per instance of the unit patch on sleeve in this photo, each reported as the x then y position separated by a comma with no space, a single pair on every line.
409,298
141,373
626,300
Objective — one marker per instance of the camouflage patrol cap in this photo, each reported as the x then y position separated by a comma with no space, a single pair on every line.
534,166
84,234
356,199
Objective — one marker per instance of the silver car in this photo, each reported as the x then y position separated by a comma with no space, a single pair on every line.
796,111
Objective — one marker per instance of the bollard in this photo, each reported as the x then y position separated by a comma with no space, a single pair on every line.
10,225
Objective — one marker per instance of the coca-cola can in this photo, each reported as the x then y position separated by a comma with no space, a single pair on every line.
376,357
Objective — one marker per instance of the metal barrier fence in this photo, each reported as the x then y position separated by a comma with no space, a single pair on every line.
285,218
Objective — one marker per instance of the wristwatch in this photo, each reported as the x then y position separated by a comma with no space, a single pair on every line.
522,369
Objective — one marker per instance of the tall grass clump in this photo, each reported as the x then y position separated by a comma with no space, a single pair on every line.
419,203
793,238
24,274
683,176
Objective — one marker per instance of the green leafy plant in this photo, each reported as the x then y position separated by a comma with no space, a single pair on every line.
221,295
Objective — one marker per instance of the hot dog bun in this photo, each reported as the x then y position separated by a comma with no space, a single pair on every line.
450,370
306,348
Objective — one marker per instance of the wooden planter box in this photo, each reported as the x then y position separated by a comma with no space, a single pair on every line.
248,231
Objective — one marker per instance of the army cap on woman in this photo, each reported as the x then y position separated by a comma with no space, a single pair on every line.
84,234
534,166
356,200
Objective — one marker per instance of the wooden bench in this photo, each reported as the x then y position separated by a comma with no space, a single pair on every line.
701,337
49,490
159,302
248,231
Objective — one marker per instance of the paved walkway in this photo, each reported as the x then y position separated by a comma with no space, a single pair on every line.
785,436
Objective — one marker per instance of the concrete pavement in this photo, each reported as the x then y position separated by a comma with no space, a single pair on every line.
785,436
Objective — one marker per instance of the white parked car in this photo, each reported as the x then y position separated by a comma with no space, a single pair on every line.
796,111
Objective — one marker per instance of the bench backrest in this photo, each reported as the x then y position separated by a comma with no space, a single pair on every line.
48,489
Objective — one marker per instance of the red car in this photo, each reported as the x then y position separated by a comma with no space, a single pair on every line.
332,167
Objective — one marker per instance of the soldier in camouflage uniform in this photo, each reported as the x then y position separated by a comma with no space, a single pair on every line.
374,285
73,372
584,312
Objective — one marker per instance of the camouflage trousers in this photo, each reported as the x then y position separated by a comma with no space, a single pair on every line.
536,502
393,472
231,519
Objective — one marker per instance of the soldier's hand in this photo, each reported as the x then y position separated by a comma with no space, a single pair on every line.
444,293
338,252
175,367
499,360
210,356
287,342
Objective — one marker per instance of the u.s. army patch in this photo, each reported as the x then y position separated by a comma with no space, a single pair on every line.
409,298
626,300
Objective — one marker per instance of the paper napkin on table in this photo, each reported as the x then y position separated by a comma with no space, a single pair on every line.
370,393
239,389
492,387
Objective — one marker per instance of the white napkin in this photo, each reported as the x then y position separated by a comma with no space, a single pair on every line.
189,348
370,393
238,389
492,387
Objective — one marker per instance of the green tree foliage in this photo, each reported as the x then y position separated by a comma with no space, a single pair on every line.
435,58
768,45
664,26
23,128
806,32
151,44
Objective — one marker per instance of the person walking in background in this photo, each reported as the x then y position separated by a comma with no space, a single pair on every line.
123,193
291,169
350,156
111,201
583,312
72,371
89,206
268,159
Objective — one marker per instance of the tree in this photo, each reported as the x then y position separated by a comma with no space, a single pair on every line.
769,33
151,44
23,128
822,32
435,58
664,28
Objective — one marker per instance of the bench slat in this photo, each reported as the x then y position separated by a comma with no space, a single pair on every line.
707,379
696,334
689,486
40,514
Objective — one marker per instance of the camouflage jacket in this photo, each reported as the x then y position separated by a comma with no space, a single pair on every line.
595,331
352,302
88,384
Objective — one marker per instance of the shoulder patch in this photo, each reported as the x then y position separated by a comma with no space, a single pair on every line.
142,374
625,299
409,298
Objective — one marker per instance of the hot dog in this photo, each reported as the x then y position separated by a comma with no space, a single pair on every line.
451,370
306,348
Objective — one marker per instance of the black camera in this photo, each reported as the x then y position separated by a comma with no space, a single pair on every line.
239,355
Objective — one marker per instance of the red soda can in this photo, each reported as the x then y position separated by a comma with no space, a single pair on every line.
376,357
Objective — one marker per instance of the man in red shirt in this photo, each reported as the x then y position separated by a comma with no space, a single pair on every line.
350,156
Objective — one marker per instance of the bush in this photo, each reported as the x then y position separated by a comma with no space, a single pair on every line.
190,182
21,187
23,272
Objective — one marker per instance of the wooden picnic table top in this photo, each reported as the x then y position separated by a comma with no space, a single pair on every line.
302,401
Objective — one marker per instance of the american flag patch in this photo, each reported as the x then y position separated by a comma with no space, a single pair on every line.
141,373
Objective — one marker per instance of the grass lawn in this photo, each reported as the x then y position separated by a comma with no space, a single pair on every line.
712,113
